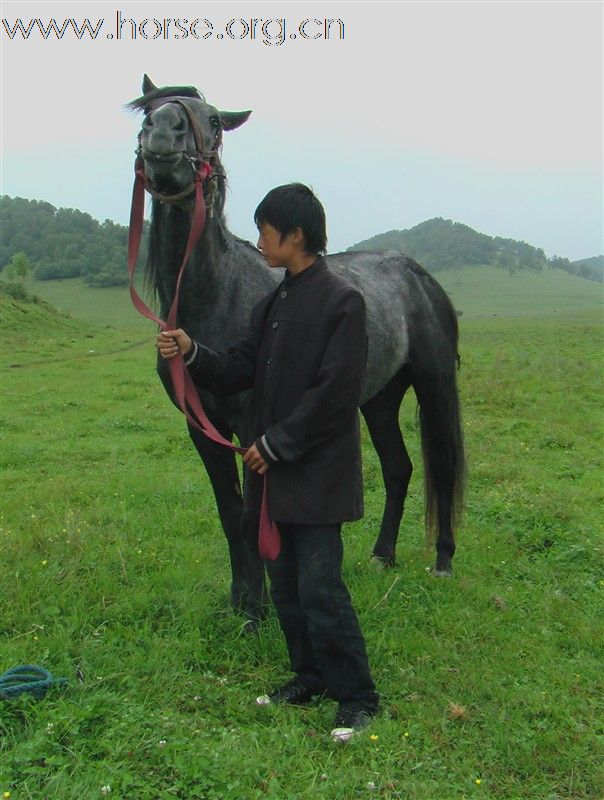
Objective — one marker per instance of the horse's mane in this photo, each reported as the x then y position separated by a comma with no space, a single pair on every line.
142,103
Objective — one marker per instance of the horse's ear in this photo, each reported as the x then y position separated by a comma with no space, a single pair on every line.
233,119
148,85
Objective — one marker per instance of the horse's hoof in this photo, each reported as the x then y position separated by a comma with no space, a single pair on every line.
380,563
250,627
238,600
440,573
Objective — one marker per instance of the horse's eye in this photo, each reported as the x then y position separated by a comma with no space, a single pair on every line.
215,121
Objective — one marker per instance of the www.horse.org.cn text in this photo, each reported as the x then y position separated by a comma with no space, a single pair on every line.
272,32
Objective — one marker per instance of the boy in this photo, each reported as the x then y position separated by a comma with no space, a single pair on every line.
304,359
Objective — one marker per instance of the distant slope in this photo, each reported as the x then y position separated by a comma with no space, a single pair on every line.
112,306
443,244
31,315
440,244
476,291
590,268
490,291
33,332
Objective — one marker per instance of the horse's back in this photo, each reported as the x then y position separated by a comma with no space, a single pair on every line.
410,319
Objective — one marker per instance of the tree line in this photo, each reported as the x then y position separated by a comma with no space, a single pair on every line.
67,243
64,242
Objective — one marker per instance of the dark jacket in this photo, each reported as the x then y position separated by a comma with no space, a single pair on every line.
304,359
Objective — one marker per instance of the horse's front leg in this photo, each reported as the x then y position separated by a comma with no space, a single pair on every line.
257,598
221,467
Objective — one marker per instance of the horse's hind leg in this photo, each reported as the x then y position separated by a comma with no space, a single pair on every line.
222,470
381,416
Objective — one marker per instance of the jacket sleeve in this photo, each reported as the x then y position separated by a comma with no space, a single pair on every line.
326,408
225,372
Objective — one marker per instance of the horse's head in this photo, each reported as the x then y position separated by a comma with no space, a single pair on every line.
179,131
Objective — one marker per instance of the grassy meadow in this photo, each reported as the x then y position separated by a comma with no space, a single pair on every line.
115,575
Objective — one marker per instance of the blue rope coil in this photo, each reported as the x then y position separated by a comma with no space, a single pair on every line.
27,678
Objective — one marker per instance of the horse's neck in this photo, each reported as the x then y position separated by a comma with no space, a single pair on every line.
222,281
202,275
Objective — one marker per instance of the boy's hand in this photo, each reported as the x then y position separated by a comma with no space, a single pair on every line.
170,342
254,460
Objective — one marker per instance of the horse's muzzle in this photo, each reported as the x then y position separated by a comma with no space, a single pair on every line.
161,163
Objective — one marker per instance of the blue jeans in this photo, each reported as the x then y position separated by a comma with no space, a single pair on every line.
325,644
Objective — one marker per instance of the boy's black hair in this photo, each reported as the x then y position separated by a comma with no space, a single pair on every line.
295,206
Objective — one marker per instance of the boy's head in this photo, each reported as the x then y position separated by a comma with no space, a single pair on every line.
292,207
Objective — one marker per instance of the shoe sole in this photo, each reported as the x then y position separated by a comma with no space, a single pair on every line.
343,734
264,700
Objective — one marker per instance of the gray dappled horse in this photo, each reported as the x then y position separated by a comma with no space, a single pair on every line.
412,330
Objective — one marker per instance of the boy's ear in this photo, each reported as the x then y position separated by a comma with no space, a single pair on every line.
298,237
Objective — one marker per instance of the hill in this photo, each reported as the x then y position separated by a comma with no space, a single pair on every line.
590,268
68,243
25,313
64,242
440,244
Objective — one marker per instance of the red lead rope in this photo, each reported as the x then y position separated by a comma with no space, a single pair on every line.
185,393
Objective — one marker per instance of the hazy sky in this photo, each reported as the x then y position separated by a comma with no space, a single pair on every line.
487,113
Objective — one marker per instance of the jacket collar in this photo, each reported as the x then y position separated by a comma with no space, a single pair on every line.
294,280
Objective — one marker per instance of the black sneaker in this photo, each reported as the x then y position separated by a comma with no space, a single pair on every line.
293,692
350,719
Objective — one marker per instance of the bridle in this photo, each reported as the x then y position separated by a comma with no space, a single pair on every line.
202,162
185,392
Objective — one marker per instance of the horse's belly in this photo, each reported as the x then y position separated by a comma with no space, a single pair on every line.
388,351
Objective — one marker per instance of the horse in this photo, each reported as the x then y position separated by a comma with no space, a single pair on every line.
411,326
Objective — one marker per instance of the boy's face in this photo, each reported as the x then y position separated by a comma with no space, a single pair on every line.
279,253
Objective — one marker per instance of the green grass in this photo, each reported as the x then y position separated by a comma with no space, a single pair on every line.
489,291
110,306
115,575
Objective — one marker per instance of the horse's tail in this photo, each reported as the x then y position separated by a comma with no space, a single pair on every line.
443,441
444,459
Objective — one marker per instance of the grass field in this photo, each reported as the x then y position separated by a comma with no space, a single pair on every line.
111,306
489,291
115,575
476,291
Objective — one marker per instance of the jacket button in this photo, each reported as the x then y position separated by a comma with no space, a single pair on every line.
275,324
268,361
283,295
